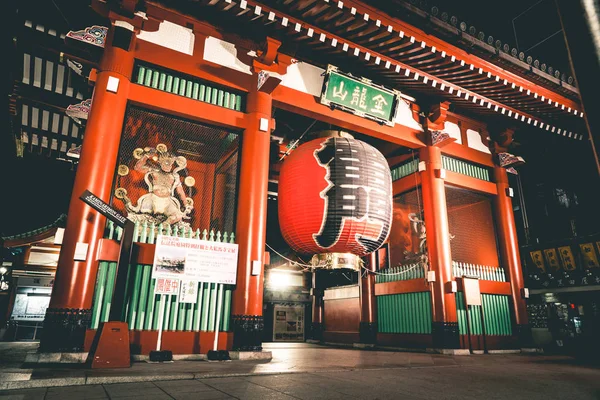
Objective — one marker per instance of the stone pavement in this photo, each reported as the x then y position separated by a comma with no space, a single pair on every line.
303,371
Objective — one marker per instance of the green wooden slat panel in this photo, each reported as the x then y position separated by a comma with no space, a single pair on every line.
383,322
135,293
148,77
181,316
155,79
151,305
202,94
110,287
140,76
162,81
198,307
174,312
226,309
182,86
99,294
176,84
205,307
143,302
165,305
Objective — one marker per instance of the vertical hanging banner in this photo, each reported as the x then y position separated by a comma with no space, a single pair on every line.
195,260
566,255
590,259
538,259
552,259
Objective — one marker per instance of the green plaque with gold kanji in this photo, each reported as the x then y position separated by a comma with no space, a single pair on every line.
359,96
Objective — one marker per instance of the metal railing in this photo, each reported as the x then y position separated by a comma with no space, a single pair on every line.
483,272
400,273
142,305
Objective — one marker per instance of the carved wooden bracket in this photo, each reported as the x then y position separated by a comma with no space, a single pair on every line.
434,121
507,160
270,60
268,63
437,115
501,138
439,138
128,11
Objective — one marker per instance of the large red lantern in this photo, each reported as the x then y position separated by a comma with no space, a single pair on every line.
335,199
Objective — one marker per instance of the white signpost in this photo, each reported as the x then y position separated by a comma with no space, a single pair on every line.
188,261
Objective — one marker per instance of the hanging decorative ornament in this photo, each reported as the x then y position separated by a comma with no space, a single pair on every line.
335,200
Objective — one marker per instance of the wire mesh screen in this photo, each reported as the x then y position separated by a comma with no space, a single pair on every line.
471,222
176,171
404,240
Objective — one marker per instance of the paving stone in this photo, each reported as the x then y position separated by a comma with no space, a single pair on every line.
183,386
144,389
77,392
209,395
23,394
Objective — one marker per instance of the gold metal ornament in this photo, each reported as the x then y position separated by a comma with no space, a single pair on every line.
161,148
189,181
138,153
120,193
123,170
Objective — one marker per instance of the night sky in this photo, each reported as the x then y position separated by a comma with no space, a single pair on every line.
536,24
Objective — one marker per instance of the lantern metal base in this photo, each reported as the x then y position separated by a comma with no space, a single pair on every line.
336,261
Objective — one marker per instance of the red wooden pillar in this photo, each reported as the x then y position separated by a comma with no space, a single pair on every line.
509,252
368,306
445,326
317,326
70,305
247,312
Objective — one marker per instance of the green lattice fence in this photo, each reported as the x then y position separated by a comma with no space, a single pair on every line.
401,273
187,86
142,305
404,313
496,312
465,168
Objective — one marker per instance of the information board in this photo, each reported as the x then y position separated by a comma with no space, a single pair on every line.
195,260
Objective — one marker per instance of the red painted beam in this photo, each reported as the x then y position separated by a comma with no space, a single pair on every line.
309,106
184,107
399,287
142,253
467,182
192,65
405,184
489,287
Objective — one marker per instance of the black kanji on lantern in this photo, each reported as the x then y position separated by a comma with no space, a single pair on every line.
359,189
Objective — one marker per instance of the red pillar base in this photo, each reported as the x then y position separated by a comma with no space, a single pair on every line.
112,347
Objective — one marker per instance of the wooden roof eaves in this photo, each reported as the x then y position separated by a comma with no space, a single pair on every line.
453,50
